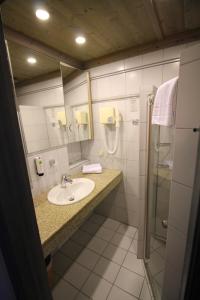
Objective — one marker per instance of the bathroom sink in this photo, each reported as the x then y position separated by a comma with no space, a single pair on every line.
72,193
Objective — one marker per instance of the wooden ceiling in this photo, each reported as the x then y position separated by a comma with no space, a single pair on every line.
127,27
23,72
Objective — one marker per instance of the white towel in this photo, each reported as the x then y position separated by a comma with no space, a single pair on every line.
165,104
93,168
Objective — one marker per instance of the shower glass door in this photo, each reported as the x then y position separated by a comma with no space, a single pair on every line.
159,181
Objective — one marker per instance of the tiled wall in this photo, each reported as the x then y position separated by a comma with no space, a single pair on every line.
125,85
47,93
185,155
52,174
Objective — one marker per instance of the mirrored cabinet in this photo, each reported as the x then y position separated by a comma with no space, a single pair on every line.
77,101
53,111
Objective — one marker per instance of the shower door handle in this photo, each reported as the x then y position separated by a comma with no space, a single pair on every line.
164,223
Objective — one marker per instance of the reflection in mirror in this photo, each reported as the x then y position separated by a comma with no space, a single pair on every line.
39,97
77,106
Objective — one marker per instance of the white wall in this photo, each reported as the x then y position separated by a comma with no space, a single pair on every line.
46,93
185,159
116,84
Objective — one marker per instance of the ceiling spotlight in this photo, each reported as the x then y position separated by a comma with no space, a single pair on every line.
31,60
42,14
80,40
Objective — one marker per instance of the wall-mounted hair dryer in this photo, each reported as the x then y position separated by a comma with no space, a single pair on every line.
111,116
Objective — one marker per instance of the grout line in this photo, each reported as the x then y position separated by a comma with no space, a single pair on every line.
91,271
142,287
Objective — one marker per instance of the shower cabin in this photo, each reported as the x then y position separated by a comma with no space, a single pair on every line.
159,174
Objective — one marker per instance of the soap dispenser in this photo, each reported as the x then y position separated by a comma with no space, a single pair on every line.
39,165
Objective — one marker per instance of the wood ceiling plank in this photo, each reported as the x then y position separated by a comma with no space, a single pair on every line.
153,15
171,15
23,71
173,40
108,25
36,45
192,14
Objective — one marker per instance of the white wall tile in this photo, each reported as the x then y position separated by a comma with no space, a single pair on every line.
170,71
188,96
185,149
151,77
173,52
175,248
180,201
133,62
133,82
152,57
190,54
108,68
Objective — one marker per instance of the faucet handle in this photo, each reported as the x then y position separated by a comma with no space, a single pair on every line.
66,178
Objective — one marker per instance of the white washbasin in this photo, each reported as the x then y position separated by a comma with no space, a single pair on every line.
74,192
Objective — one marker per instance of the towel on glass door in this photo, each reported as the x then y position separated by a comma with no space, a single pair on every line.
165,103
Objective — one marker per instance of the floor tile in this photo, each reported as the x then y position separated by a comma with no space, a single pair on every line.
107,269
96,287
145,293
95,218
71,249
88,258
129,282
60,263
118,294
121,241
156,263
161,250
81,237
133,247
105,233
134,264
127,230
111,224
159,278
54,280
115,254
77,275
97,245
156,243
80,296
136,236
63,291
90,227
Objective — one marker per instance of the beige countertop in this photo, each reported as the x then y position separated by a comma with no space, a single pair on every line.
57,223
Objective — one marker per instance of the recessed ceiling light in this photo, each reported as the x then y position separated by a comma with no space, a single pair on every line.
42,14
80,40
31,60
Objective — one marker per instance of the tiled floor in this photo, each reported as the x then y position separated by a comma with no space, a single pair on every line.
99,262
156,265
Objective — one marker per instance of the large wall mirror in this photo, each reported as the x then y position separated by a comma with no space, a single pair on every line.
77,100
53,111
39,96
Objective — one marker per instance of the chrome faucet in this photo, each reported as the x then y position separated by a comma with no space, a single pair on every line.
64,180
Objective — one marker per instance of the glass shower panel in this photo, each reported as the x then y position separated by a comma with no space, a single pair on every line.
159,181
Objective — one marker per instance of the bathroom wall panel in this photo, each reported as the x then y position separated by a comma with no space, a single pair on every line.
185,155
52,174
152,57
124,86
170,71
180,199
189,89
186,142
133,62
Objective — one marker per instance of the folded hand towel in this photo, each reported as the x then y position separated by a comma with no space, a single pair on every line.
165,104
93,168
